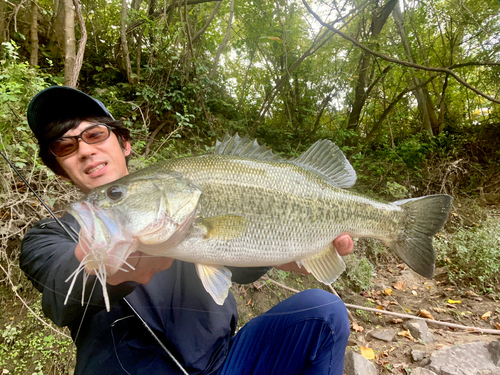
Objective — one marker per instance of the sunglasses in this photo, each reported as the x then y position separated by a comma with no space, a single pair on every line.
66,145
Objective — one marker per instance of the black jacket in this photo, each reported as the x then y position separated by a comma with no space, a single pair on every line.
174,304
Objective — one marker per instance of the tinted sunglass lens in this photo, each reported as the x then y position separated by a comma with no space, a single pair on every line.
63,147
96,134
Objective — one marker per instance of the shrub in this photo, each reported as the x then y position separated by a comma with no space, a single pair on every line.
472,256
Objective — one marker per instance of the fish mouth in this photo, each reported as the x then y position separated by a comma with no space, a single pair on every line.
108,246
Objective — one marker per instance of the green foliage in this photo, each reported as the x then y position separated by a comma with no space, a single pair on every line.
358,274
27,346
472,256
18,84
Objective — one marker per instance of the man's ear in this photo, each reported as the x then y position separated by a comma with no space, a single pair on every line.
127,148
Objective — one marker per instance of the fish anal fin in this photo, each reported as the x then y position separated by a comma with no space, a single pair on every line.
223,227
216,280
326,266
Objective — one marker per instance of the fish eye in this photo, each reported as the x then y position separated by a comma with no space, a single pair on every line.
115,192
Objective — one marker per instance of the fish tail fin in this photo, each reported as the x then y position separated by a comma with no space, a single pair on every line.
424,217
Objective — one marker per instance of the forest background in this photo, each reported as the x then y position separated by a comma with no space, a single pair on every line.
410,91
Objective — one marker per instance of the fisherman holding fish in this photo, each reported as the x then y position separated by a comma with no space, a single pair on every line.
157,301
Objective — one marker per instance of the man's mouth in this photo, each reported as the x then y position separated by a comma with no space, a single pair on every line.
95,169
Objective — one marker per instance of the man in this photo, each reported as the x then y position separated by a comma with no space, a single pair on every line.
305,334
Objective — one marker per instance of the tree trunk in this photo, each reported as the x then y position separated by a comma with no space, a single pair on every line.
2,23
379,19
123,33
209,20
69,42
424,108
81,45
34,33
243,89
223,44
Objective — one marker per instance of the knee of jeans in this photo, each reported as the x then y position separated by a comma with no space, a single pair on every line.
330,308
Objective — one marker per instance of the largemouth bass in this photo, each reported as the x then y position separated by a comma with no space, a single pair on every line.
246,207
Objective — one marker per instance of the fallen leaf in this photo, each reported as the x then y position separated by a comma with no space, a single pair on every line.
497,325
367,352
249,302
356,327
425,314
414,293
401,266
470,293
439,309
380,307
486,315
397,320
406,334
454,301
388,292
400,285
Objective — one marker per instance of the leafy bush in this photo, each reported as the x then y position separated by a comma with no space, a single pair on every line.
472,256
358,274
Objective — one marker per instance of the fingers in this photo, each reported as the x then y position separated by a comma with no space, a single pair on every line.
344,244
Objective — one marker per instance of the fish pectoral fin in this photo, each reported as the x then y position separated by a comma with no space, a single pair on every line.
223,227
325,266
216,280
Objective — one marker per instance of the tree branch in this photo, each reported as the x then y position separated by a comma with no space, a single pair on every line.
400,62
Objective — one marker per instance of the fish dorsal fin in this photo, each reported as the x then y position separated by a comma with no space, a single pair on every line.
323,157
326,158
244,147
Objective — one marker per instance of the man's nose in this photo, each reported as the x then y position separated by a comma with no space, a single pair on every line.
84,149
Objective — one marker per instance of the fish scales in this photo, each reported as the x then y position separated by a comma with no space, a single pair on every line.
292,212
245,206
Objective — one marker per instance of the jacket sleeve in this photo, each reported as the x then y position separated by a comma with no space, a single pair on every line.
48,259
247,275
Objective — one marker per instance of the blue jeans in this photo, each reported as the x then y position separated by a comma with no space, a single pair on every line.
305,334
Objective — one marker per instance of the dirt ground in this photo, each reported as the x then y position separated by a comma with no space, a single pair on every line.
398,289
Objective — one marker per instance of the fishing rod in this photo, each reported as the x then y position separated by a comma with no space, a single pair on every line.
71,235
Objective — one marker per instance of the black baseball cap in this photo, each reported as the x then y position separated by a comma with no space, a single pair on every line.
61,103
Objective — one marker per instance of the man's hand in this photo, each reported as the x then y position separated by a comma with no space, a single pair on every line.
343,244
145,267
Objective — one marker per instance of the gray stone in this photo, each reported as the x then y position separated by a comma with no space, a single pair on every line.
419,329
417,355
384,334
356,364
422,371
467,359
494,349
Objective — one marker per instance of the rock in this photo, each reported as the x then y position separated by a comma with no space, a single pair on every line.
384,334
419,329
356,364
417,355
494,349
422,371
467,359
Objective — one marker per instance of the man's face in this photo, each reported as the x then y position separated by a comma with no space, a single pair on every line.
97,164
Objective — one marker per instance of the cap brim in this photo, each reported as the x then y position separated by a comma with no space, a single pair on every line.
58,103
